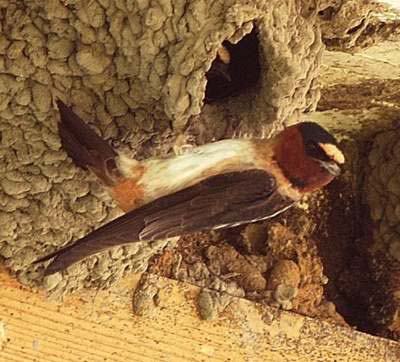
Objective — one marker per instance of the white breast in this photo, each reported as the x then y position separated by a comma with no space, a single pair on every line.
165,176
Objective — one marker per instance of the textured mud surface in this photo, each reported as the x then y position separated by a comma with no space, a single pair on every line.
382,196
352,25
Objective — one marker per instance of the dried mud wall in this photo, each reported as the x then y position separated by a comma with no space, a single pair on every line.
136,72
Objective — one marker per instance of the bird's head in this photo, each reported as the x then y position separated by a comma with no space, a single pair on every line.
308,155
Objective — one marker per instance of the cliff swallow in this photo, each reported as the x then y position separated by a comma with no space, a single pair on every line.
235,68
217,185
220,66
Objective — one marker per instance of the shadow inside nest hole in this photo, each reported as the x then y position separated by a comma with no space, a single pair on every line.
235,69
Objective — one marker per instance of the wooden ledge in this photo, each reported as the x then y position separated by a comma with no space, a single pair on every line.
100,326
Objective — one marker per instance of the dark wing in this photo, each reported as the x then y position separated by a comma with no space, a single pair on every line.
224,200
84,146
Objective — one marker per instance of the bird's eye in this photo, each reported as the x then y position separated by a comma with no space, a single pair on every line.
312,146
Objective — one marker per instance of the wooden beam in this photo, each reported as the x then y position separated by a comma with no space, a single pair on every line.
100,326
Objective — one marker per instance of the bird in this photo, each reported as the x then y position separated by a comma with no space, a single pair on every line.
235,68
219,80
220,66
218,185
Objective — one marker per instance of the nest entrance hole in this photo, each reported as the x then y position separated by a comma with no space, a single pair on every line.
235,69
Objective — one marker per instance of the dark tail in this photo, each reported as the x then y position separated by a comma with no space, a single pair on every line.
85,147
70,254
123,230
74,252
158,219
88,151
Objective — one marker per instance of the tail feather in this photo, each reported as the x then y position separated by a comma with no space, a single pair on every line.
129,227
72,253
85,147
90,151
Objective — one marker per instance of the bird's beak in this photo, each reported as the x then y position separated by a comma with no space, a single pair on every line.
332,167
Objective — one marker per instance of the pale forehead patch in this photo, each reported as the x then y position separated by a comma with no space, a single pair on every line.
333,152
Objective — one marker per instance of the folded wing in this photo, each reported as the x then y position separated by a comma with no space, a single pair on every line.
220,201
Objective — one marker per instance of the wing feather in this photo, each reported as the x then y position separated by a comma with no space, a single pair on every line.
219,201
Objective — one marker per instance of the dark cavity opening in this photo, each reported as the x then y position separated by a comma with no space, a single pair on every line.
357,27
327,13
235,69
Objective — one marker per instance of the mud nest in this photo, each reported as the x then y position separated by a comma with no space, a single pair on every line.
382,196
137,73
352,25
